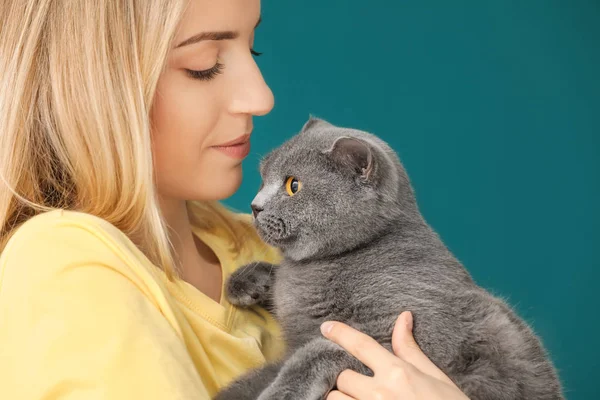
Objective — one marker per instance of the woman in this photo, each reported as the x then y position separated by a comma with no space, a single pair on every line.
122,123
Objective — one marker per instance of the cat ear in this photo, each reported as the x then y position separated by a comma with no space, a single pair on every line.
354,154
313,122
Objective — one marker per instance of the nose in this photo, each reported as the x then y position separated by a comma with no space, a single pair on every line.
255,210
251,95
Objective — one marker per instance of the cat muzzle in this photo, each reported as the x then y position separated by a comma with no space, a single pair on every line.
272,228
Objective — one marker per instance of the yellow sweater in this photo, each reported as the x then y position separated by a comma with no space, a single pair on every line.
85,315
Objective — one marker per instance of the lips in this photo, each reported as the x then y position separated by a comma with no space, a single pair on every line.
237,148
240,140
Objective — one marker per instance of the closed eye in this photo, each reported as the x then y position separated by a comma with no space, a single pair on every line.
208,74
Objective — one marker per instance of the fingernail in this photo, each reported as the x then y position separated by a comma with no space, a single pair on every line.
326,327
409,321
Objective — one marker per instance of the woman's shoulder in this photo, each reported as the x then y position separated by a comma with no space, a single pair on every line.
78,305
76,228
59,240
59,219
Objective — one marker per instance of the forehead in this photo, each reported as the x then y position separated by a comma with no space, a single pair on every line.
300,153
302,163
218,15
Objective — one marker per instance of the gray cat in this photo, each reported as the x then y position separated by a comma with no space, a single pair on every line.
339,205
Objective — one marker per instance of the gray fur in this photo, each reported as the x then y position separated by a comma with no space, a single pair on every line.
356,249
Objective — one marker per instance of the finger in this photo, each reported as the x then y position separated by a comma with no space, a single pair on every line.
354,384
405,347
363,347
337,395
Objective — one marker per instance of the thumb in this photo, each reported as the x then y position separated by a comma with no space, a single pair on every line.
405,347
403,341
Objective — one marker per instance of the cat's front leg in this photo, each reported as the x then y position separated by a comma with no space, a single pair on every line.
251,285
250,385
310,373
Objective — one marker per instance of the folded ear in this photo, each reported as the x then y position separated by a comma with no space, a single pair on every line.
313,122
354,154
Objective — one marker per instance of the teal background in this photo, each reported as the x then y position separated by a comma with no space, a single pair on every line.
494,108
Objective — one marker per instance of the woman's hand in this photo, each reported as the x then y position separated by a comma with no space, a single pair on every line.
407,375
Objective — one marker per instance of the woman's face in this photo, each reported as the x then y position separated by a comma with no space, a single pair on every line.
205,101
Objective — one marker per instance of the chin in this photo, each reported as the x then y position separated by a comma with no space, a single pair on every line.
223,186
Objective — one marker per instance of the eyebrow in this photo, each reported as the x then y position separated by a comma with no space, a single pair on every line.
225,35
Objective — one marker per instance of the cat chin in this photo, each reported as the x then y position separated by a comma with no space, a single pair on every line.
272,240
300,251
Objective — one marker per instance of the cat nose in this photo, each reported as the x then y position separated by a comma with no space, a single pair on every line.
255,210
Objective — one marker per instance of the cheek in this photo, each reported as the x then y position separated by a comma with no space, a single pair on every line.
184,114
184,117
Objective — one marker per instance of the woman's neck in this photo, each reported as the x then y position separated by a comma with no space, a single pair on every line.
200,266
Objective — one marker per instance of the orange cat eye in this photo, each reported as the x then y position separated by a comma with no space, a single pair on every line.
292,186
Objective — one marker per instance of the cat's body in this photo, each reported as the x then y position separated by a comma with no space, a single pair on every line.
361,254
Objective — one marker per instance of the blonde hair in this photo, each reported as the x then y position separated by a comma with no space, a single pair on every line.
77,81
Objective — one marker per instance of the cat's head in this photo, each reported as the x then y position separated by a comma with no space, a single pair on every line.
330,189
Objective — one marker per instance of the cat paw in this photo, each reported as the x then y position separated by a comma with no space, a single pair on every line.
249,285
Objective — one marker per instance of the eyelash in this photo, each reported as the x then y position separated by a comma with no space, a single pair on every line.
209,74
